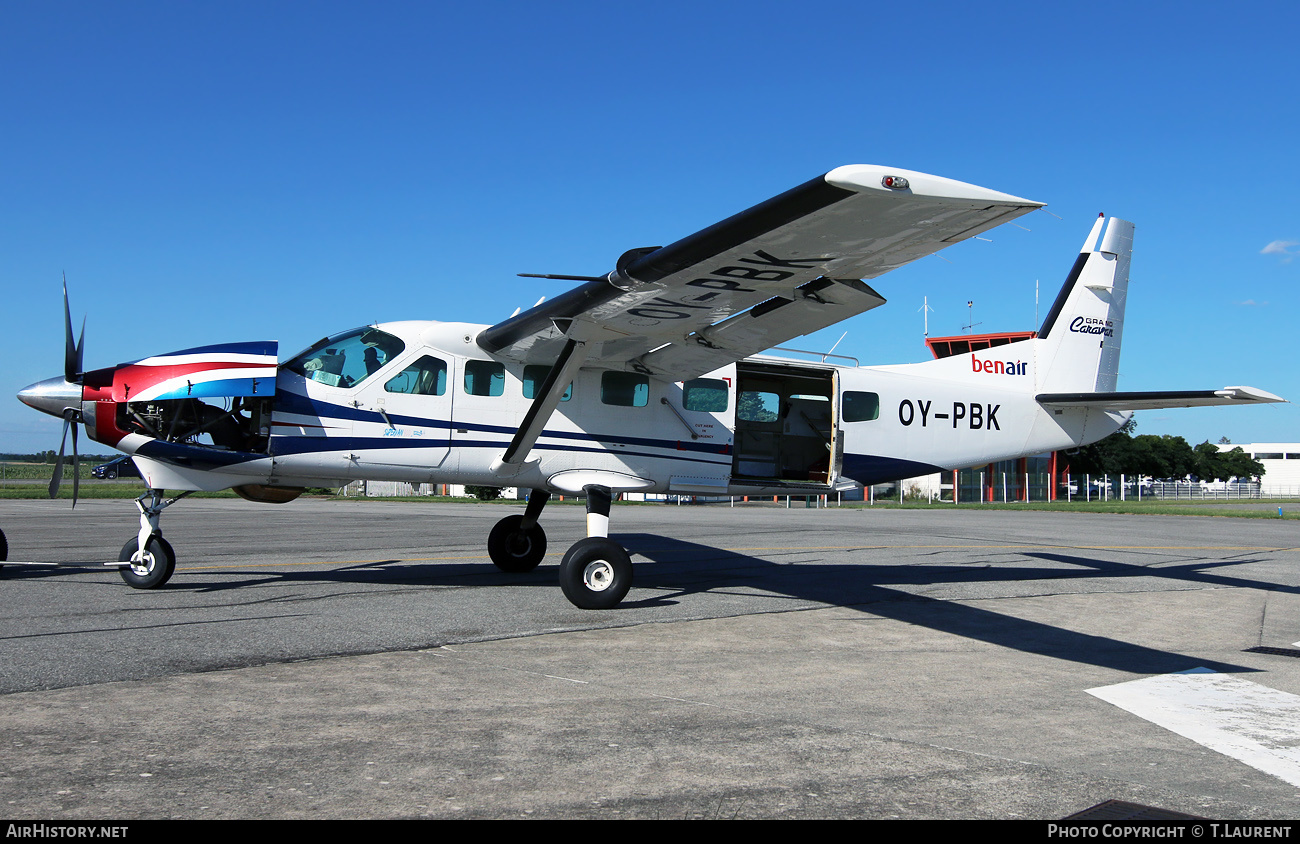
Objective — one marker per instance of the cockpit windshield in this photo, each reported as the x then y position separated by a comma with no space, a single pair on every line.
347,359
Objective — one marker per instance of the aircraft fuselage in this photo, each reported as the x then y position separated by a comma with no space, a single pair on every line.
421,402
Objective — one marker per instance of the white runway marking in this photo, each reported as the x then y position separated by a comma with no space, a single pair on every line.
1249,722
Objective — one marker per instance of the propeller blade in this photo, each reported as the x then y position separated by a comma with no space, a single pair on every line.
81,351
57,478
76,462
72,352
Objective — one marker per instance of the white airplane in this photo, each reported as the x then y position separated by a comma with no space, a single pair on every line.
645,379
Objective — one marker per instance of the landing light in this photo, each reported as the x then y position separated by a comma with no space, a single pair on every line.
894,182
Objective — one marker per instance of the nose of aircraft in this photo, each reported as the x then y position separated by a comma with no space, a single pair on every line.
52,396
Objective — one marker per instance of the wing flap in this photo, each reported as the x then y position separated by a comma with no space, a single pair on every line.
767,324
1157,399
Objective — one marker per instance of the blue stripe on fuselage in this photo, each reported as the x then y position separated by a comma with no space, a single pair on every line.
292,403
284,446
869,469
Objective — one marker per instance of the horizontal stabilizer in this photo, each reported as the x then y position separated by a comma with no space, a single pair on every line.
1155,399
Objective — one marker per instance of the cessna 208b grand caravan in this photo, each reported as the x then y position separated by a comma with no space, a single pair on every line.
646,379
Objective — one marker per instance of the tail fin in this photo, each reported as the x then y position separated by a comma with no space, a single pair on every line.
1077,349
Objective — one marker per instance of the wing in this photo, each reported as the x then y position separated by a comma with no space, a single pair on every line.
784,268
1159,399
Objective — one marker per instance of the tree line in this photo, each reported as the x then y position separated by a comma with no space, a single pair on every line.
1163,457
51,456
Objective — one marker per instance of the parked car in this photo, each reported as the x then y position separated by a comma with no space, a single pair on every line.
118,467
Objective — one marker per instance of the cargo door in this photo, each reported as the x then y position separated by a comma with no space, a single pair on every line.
785,425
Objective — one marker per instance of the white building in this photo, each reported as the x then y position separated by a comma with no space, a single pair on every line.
1281,463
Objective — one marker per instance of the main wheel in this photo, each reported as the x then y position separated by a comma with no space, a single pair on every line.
154,569
596,573
516,550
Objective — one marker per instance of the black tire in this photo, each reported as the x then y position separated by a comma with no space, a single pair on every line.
514,550
4,548
110,475
596,573
158,566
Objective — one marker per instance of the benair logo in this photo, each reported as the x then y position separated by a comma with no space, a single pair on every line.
998,367
1092,325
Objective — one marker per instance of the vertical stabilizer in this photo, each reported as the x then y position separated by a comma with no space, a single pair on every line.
1077,349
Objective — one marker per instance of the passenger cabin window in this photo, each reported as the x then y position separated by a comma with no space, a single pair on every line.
347,359
708,395
426,377
535,376
861,407
624,389
484,378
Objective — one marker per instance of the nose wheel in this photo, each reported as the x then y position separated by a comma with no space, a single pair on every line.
150,569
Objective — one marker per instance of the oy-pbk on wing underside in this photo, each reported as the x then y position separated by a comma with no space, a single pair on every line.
648,378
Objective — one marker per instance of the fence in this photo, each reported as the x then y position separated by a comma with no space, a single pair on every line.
1108,488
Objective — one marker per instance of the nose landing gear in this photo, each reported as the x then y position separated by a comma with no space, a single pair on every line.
154,566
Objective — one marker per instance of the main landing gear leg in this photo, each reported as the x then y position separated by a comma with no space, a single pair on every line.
152,567
596,572
518,543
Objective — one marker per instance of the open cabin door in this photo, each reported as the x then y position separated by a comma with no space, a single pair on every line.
785,425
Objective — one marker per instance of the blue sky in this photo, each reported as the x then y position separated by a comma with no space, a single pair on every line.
211,172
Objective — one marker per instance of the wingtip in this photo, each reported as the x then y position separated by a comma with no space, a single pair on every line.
863,177
1251,394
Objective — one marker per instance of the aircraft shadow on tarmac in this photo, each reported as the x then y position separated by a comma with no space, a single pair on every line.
677,568
866,588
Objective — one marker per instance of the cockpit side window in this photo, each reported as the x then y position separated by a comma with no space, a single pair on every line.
347,359
426,377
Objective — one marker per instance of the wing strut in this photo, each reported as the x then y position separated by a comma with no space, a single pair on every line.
539,412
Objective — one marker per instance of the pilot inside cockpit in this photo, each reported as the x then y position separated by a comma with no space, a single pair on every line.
347,359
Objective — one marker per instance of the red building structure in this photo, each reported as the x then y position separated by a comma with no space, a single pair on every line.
1027,478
